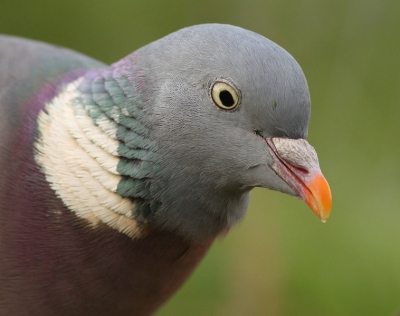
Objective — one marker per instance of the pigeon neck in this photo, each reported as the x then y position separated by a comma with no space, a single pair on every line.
95,152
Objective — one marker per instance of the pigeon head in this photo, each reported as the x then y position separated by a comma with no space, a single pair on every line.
229,111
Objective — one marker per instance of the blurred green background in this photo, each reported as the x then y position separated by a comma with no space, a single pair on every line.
281,260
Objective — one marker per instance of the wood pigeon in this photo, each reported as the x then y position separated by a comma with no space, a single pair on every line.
115,180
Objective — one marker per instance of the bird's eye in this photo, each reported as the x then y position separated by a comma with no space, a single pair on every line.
224,96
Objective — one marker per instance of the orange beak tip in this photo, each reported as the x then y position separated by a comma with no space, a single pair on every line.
319,197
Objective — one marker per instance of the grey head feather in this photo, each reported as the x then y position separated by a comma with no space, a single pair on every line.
210,158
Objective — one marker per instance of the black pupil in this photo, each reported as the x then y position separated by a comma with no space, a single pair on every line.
226,98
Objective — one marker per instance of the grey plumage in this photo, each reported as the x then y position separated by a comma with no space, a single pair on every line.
212,158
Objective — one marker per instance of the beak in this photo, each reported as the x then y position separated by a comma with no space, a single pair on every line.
296,162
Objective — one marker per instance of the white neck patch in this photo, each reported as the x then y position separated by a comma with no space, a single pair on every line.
80,161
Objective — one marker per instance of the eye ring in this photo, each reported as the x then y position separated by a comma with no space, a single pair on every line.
224,95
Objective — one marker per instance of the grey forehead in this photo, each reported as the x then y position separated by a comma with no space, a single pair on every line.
219,48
